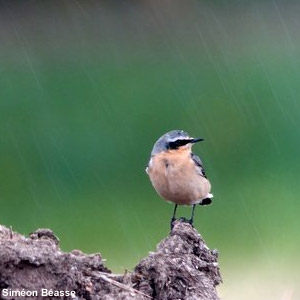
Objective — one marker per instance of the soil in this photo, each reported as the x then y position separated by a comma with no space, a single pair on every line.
182,267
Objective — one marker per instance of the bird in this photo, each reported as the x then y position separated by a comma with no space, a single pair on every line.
177,174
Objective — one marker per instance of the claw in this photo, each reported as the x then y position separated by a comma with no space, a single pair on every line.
191,222
171,223
183,220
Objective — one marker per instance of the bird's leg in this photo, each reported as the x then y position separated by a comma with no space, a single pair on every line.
174,216
192,217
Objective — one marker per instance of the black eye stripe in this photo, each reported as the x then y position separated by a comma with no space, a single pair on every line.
178,143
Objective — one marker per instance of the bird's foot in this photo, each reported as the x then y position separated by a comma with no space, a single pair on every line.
184,220
172,223
191,221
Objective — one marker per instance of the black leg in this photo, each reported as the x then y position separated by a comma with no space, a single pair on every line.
174,216
192,217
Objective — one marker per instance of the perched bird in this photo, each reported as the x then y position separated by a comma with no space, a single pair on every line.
177,174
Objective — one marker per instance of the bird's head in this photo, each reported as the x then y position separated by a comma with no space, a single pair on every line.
174,140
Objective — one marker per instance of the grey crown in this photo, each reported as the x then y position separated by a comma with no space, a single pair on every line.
163,141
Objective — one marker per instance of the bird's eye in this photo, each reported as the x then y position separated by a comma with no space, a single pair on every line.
173,145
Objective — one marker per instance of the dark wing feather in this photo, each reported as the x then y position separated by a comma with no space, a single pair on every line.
199,164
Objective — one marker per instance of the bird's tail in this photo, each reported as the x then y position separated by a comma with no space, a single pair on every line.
207,200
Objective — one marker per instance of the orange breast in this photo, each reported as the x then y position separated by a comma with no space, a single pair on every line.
174,176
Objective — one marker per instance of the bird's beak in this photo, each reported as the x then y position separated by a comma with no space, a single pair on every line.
193,141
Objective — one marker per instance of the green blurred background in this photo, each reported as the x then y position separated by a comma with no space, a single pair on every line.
87,87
